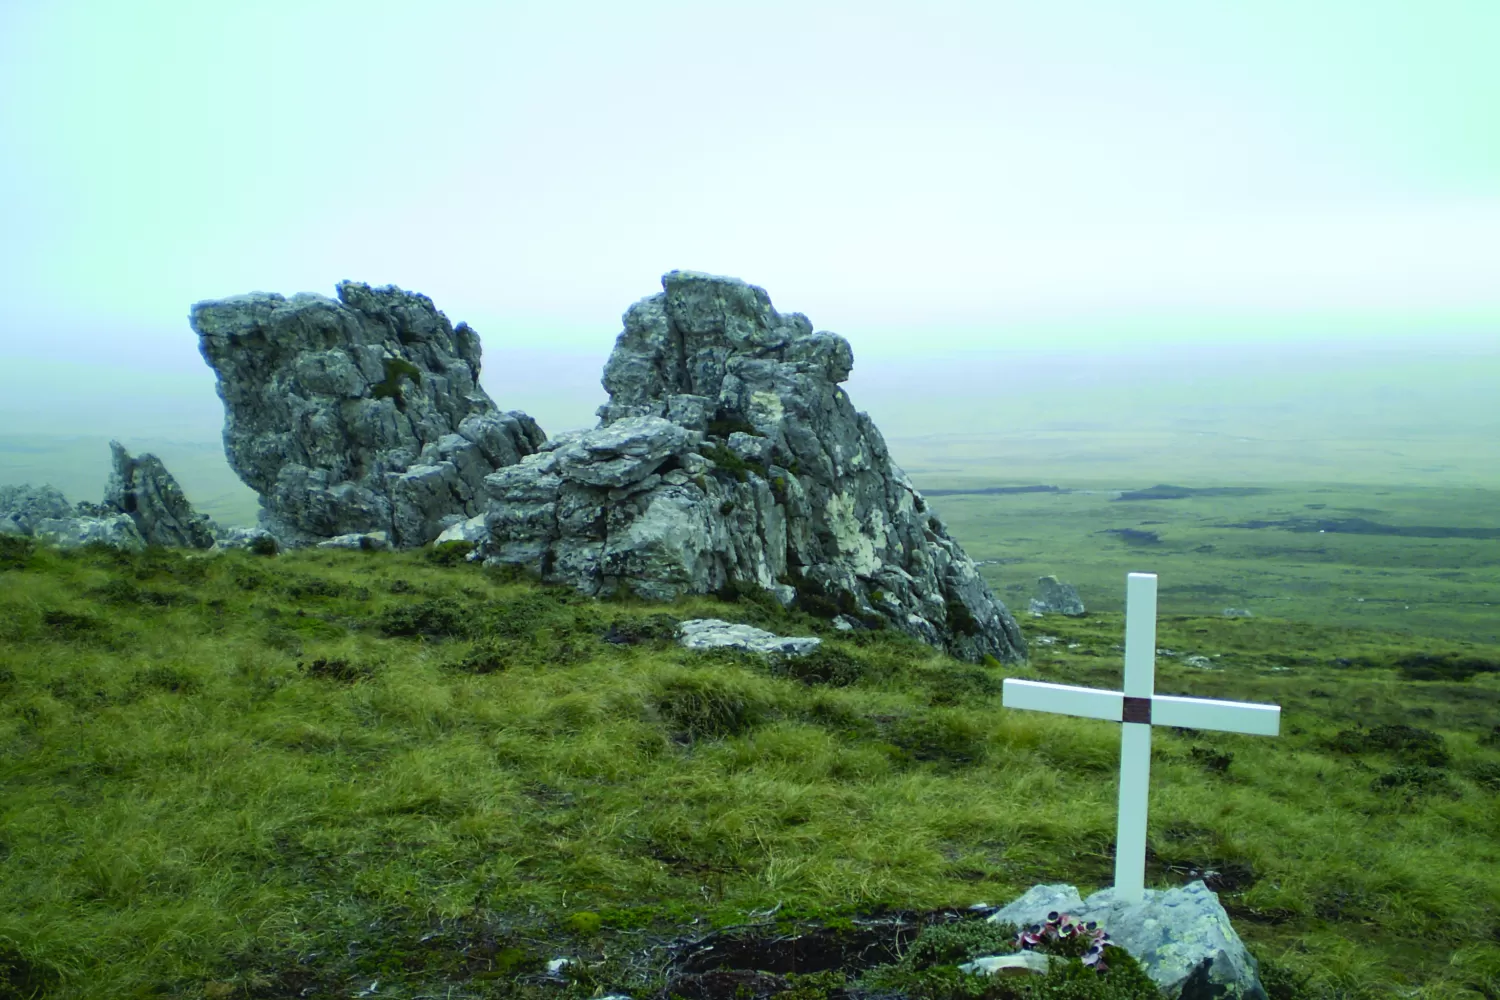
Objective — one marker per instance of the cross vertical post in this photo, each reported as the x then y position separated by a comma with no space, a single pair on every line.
1137,707
1135,736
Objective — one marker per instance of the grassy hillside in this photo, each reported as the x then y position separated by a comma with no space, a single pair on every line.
401,775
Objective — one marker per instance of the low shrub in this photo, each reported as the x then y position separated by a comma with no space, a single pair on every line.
704,706
454,553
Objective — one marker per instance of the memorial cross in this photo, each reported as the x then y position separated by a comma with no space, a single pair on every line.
1138,708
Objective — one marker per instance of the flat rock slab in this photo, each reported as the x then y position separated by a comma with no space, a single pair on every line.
714,633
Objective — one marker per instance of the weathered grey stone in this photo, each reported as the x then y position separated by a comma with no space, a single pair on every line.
469,530
143,488
1021,963
239,536
118,530
23,507
1181,937
357,540
727,453
714,633
359,415
1056,598
1238,613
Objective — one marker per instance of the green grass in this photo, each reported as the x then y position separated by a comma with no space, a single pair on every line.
233,775
1438,588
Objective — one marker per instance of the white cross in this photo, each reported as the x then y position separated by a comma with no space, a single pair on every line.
1138,707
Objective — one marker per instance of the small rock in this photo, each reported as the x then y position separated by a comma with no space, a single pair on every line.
1056,598
1237,613
714,633
1021,963
358,540
470,530
117,530
1199,661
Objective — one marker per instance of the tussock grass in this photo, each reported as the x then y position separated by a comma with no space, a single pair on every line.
244,775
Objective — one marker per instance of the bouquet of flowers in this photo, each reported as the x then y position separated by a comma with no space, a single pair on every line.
1062,928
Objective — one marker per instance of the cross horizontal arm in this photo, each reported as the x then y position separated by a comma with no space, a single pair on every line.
1224,716
1062,699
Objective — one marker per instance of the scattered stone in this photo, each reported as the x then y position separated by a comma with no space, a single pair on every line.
1056,598
1022,963
118,530
468,530
728,454
356,416
239,536
1181,937
714,633
1237,613
143,488
23,507
358,540
1202,662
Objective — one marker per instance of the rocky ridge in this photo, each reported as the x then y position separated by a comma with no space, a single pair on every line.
728,458
357,415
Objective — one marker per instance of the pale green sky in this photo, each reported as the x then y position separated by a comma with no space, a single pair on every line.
935,177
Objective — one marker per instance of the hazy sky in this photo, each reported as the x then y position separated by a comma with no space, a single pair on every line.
934,177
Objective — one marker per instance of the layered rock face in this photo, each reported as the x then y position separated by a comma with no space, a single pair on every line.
728,456
143,488
356,416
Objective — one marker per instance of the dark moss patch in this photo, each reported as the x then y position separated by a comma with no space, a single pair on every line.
17,552
264,545
725,424
1448,666
395,370
441,618
825,665
454,553
336,669
631,631
1409,744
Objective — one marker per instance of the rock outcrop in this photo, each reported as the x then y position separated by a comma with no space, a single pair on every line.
356,416
728,456
1055,598
143,505
25,506
143,488
1181,937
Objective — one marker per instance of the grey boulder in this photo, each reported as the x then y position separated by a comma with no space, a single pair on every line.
1055,598
715,633
118,530
356,415
1181,937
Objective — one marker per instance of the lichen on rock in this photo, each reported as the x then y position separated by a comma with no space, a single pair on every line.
728,455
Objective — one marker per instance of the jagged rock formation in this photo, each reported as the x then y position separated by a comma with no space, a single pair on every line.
728,456
356,416
1056,598
143,488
